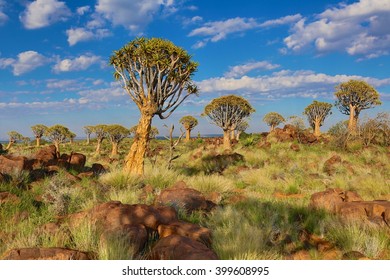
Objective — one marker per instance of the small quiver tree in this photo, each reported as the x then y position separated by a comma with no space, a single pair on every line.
241,128
228,112
188,122
88,130
57,134
152,134
39,131
273,119
100,132
316,113
353,97
13,137
116,133
157,75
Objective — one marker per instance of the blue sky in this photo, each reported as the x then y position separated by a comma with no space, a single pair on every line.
279,54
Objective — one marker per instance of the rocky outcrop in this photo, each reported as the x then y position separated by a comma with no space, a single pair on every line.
291,133
330,165
14,164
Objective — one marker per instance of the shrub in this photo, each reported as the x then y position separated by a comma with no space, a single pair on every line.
218,163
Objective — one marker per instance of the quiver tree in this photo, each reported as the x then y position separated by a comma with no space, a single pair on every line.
316,113
152,134
241,128
57,134
353,97
100,132
39,131
273,119
88,130
188,122
158,77
116,133
71,137
228,112
13,137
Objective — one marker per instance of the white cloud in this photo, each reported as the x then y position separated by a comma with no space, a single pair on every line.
284,84
133,15
281,21
3,16
240,70
79,63
25,62
76,35
361,28
41,13
82,10
218,30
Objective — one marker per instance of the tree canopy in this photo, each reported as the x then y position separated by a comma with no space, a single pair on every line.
38,130
116,133
273,119
14,136
57,133
188,122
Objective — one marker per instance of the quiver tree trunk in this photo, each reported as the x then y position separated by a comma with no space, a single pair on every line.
238,135
272,127
38,139
226,140
114,151
135,159
317,131
88,139
9,145
232,134
352,119
98,145
188,135
57,145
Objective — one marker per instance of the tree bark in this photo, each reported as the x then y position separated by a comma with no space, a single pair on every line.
317,131
88,139
233,135
272,127
238,135
57,145
188,135
38,141
99,142
226,140
114,151
134,162
9,145
352,119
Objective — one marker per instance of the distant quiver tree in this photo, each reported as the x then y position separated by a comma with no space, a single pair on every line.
116,133
273,119
316,113
57,134
39,131
188,122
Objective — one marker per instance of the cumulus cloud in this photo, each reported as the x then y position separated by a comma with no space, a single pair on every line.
82,10
361,28
3,16
79,63
284,83
242,69
133,14
25,62
76,35
42,13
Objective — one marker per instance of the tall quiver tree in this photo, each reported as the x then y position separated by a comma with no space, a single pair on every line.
88,130
57,134
100,132
39,131
116,133
158,77
273,119
188,122
354,96
316,113
228,112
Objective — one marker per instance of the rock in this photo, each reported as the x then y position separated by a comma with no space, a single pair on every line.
45,254
332,198
295,147
307,138
354,255
329,165
281,195
4,178
11,164
376,211
189,230
114,214
265,145
87,174
218,163
98,169
45,157
133,237
6,197
181,197
176,247
77,161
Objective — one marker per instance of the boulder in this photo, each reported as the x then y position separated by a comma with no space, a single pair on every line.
10,164
189,230
176,247
98,169
307,138
295,147
332,198
77,161
45,156
329,165
114,214
181,197
45,254
133,237
377,211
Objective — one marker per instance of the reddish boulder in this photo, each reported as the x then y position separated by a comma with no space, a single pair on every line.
176,247
10,164
77,161
45,254
295,147
329,165
114,214
376,211
181,197
98,169
332,198
45,157
307,138
192,231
